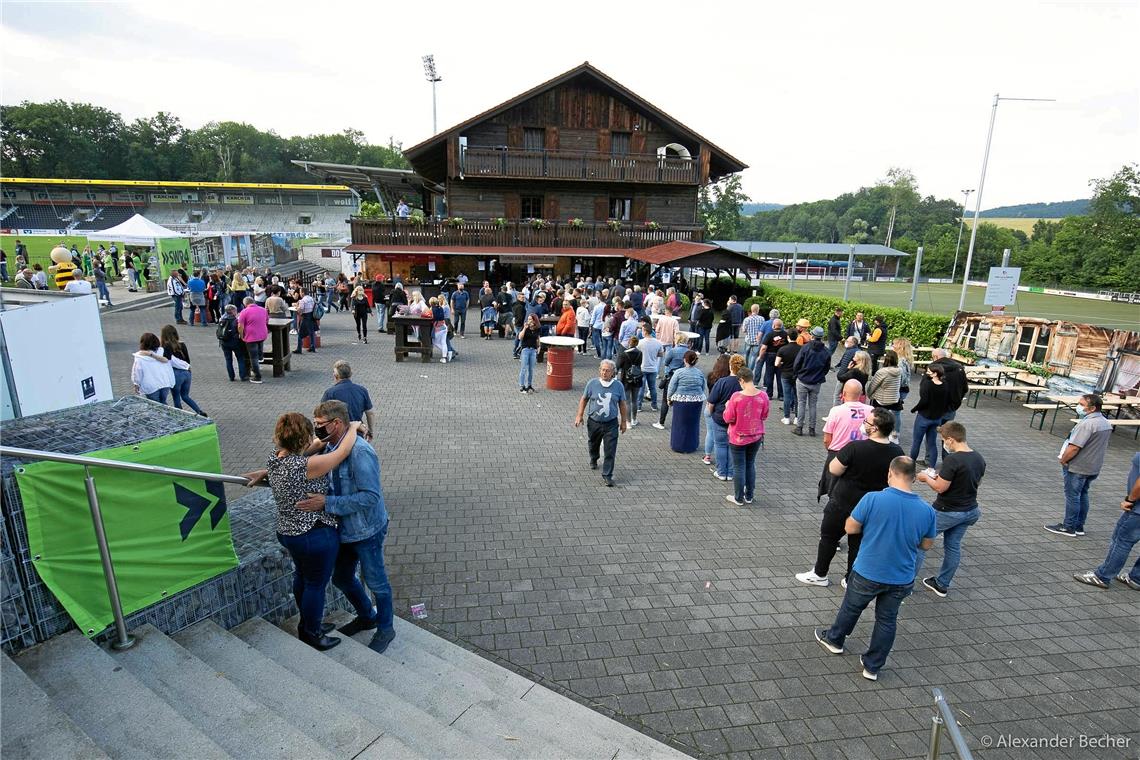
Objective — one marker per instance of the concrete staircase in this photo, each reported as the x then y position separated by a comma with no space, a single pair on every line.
258,692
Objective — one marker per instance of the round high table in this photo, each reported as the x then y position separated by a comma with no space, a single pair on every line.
560,351
692,338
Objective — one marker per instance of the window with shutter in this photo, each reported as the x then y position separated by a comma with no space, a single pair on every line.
621,208
534,138
619,143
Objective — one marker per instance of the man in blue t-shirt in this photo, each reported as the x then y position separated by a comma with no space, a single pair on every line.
895,524
603,405
459,300
354,396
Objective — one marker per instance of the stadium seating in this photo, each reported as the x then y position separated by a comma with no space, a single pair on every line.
108,216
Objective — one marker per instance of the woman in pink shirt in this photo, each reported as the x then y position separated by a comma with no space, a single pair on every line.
745,414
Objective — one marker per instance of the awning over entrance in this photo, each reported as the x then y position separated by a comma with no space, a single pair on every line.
682,253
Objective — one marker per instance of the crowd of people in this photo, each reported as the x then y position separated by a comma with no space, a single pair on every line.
867,479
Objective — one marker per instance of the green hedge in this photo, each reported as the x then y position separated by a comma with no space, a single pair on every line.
922,328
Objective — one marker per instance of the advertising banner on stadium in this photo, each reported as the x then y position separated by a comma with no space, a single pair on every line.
165,198
165,535
173,253
240,199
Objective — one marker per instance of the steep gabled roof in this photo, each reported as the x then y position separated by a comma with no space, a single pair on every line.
722,162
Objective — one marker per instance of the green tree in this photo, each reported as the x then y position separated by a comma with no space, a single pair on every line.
60,139
719,206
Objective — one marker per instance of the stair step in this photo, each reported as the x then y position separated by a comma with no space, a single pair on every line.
388,747
202,694
326,720
109,704
410,725
433,686
577,722
34,728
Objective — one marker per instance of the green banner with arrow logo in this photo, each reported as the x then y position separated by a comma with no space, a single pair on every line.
165,534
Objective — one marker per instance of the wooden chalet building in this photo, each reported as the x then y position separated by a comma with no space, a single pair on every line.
578,175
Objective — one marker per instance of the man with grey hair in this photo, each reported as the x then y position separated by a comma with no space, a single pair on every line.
230,341
354,396
253,326
603,403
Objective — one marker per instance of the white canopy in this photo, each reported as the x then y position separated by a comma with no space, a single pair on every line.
138,230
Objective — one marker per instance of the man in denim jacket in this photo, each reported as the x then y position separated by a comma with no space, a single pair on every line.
356,498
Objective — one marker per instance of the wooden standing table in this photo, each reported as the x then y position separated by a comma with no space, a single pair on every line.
279,355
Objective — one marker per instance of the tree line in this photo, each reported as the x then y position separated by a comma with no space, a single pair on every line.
1099,250
77,140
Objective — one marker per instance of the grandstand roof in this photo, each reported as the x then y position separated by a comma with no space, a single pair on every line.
807,249
364,178
162,183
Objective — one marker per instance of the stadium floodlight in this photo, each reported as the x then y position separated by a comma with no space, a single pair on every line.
981,184
961,224
433,77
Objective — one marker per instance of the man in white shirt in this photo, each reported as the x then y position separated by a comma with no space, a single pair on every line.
78,287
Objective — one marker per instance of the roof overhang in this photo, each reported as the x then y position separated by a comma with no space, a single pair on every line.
681,253
366,178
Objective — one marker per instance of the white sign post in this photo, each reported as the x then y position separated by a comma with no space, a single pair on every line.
1001,289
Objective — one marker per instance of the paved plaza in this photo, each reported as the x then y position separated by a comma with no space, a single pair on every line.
663,605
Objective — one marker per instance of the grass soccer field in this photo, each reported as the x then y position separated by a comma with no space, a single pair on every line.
943,299
1010,222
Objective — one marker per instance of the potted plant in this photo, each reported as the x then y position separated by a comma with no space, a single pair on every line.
500,222
576,223
651,225
539,224
455,221
614,225
417,218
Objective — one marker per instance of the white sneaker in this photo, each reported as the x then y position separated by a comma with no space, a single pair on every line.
812,579
633,423
443,361
795,421
785,421
893,437
843,582
658,425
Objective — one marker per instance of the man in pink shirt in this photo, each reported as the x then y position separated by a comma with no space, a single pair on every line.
844,425
253,327
666,327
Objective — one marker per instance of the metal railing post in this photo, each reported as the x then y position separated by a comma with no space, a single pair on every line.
123,640
935,738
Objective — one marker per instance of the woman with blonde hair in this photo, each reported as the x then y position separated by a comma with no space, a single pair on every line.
859,368
311,538
360,312
238,287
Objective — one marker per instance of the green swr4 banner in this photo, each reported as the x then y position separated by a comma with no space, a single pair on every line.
165,534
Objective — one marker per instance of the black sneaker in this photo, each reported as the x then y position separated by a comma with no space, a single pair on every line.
358,624
593,464
933,584
821,637
1090,578
608,481
1061,530
381,640
797,431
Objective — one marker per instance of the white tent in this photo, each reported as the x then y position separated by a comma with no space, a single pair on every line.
138,230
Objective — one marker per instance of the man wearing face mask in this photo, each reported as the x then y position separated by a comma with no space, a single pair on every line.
858,469
1081,459
356,498
603,402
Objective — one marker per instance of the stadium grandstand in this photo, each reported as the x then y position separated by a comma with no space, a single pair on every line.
71,206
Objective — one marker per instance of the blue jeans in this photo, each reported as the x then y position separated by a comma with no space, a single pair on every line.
104,292
381,316
649,380
369,555
181,390
789,386
807,399
1124,537
744,465
314,556
952,526
702,340
526,371
751,353
720,444
243,362
461,321
608,347
924,427
860,593
1076,498
253,350
598,341
710,441
159,395
177,308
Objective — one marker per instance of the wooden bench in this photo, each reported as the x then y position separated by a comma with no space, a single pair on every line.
1043,410
1031,391
1125,423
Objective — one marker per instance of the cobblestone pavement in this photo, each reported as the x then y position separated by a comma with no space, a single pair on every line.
663,605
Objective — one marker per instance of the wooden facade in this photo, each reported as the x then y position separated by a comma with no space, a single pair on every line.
1100,358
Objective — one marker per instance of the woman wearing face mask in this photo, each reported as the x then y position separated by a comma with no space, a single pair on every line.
311,538
859,468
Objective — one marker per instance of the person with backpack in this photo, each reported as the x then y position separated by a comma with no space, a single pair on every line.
308,313
632,377
176,288
231,343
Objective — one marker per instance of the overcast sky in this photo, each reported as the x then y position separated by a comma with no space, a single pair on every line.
817,98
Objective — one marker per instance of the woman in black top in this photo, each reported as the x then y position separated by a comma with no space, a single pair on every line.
528,352
179,356
360,312
631,378
933,404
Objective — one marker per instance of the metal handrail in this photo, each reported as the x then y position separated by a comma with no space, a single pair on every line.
944,720
123,640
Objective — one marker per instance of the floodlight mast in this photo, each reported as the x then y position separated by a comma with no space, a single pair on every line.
432,76
961,224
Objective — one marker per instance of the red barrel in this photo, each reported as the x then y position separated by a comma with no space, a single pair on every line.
559,368
368,295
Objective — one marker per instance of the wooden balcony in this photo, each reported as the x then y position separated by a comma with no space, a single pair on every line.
517,233
516,163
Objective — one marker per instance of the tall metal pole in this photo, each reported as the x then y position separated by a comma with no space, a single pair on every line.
123,640
432,76
850,266
434,118
978,200
914,282
795,255
961,224
1005,259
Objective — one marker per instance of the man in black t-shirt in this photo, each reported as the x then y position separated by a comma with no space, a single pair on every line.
772,343
956,484
858,468
785,362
